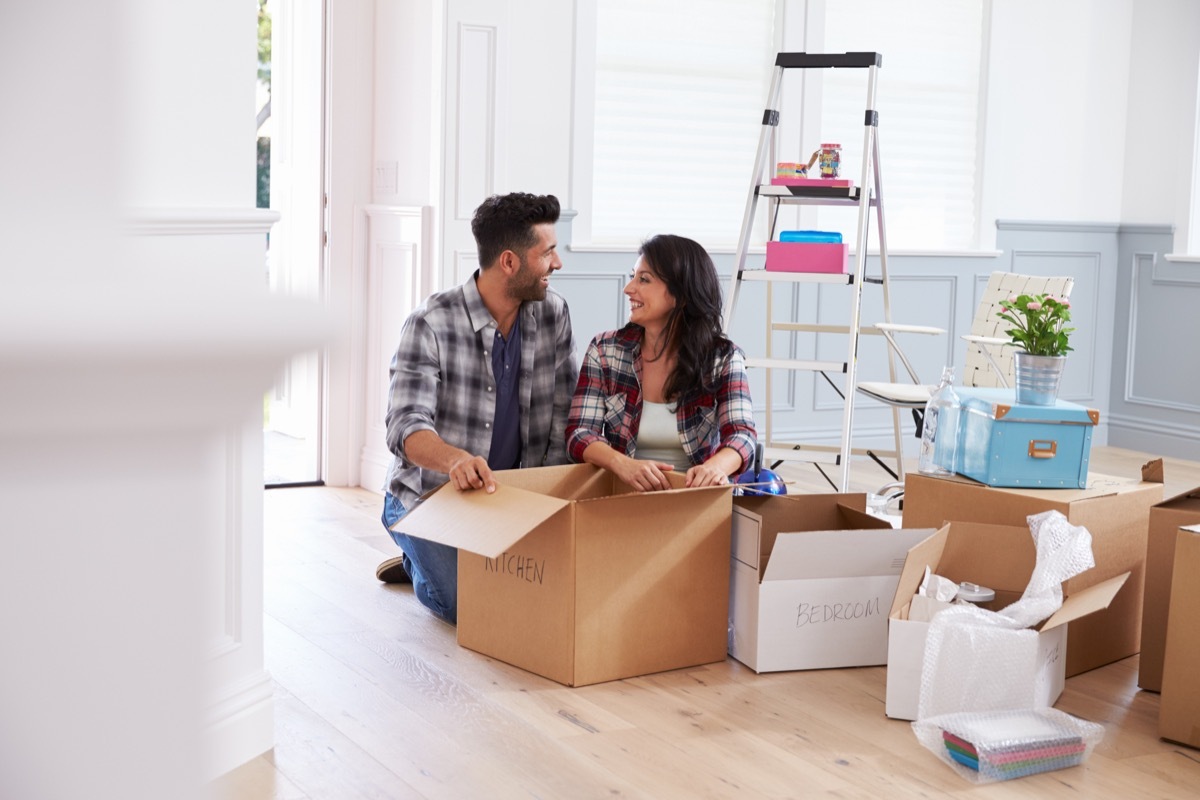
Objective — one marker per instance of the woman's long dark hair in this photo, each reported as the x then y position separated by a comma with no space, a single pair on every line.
693,329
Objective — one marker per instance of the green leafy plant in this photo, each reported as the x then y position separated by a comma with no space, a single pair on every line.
1039,323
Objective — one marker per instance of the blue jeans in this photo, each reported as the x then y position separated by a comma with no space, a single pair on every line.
433,567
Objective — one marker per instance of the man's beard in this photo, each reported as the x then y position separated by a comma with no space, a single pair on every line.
526,284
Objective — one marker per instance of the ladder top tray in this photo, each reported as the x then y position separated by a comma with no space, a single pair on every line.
828,60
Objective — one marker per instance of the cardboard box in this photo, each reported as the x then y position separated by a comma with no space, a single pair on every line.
1115,511
807,257
1179,711
1001,557
566,572
1002,443
812,577
1166,519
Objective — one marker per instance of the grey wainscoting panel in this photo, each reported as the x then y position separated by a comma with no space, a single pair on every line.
596,302
1164,332
1135,344
1156,352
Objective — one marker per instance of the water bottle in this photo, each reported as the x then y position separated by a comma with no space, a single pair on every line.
939,432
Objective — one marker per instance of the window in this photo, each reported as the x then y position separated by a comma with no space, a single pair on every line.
928,99
679,93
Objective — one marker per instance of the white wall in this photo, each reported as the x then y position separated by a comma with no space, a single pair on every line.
407,103
1056,110
350,106
1160,125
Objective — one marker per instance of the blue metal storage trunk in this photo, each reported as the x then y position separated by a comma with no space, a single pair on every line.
1001,443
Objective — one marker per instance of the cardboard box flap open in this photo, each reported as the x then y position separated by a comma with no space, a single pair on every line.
839,554
926,553
861,520
1085,601
487,524
1183,498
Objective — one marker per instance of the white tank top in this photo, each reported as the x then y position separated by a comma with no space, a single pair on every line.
658,436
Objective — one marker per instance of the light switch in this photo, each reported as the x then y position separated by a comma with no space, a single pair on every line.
386,176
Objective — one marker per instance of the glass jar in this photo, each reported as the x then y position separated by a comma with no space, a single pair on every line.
830,160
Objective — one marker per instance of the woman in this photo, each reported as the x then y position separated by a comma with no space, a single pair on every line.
668,391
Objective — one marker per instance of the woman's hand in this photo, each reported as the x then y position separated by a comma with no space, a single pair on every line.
642,475
706,474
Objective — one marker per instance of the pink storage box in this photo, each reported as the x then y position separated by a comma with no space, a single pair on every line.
807,257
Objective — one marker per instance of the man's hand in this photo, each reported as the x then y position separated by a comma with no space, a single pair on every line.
472,472
427,450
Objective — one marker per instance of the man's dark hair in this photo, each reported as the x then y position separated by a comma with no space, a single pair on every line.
505,222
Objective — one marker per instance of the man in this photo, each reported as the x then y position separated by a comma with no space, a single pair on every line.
481,381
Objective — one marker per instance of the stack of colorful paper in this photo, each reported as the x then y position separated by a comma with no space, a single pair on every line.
1001,747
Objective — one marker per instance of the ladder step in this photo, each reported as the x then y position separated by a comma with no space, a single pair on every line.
841,278
812,327
794,363
815,453
827,195
828,60
801,452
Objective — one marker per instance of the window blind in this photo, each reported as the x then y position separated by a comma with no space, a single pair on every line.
928,98
679,98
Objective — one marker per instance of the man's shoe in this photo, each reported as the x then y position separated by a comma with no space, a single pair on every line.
394,570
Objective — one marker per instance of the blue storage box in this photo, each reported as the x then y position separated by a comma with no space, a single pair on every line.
822,237
1001,443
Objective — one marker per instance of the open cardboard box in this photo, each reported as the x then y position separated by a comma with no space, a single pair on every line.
1166,519
1001,557
811,578
1179,711
1115,511
566,572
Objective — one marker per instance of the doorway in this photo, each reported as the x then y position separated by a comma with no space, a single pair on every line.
290,181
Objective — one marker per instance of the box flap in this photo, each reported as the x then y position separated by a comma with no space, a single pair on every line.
1086,601
861,520
1000,557
487,524
1152,471
840,554
925,553
1182,497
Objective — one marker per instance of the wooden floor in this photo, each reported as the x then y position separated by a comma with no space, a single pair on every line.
374,699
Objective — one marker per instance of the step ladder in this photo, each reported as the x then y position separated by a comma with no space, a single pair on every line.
866,194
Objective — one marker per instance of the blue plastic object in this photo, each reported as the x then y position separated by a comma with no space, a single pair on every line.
822,237
760,481
1003,443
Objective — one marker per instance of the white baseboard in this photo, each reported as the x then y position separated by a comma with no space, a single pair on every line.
373,470
241,727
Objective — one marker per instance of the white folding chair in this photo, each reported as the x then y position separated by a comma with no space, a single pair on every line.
989,361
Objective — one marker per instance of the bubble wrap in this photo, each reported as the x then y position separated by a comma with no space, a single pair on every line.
1001,745
979,660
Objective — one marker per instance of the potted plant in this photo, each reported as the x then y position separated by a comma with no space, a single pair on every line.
1039,329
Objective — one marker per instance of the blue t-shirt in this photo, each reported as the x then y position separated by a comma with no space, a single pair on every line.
505,452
